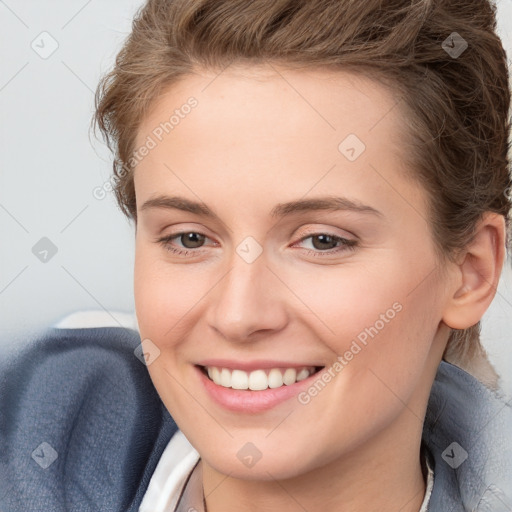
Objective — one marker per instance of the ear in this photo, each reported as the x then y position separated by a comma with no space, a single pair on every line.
477,275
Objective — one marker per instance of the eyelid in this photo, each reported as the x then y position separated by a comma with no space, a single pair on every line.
307,232
322,230
185,227
171,236
345,243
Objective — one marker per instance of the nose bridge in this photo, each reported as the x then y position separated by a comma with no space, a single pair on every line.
246,299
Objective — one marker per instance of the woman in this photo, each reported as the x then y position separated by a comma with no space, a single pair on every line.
320,198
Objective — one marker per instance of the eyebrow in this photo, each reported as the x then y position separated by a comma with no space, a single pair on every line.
331,203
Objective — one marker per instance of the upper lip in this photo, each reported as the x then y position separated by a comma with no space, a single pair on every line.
258,364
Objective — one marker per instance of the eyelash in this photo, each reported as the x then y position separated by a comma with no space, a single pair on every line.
346,244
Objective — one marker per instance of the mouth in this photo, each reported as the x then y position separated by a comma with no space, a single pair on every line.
258,379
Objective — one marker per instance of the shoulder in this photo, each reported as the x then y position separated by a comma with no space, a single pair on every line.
468,431
81,424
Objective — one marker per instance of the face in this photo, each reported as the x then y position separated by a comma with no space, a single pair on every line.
277,234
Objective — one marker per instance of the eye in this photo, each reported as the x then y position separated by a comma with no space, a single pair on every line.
324,244
327,244
190,241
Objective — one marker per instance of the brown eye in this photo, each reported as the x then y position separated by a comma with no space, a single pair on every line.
184,243
191,240
324,241
325,244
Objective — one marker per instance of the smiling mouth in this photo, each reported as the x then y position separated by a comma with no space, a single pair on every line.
258,380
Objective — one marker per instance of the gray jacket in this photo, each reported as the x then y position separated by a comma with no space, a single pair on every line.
82,429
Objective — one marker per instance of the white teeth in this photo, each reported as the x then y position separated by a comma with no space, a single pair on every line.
215,376
303,374
257,380
290,376
275,378
239,380
225,378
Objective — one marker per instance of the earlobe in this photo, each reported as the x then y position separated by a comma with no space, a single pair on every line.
478,274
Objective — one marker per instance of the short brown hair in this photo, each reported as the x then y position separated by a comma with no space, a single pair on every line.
456,106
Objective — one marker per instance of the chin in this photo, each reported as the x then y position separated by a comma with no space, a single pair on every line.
268,464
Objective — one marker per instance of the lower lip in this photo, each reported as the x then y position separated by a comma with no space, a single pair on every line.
248,401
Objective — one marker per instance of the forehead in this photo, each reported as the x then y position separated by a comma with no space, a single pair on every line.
261,128
325,100
274,113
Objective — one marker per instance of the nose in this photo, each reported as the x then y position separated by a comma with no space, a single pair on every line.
249,300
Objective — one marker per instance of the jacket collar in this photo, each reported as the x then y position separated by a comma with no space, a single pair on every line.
468,432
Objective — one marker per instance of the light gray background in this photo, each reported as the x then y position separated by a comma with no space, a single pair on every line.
49,168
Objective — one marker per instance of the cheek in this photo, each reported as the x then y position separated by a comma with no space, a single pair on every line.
165,294
382,328
383,314
153,297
